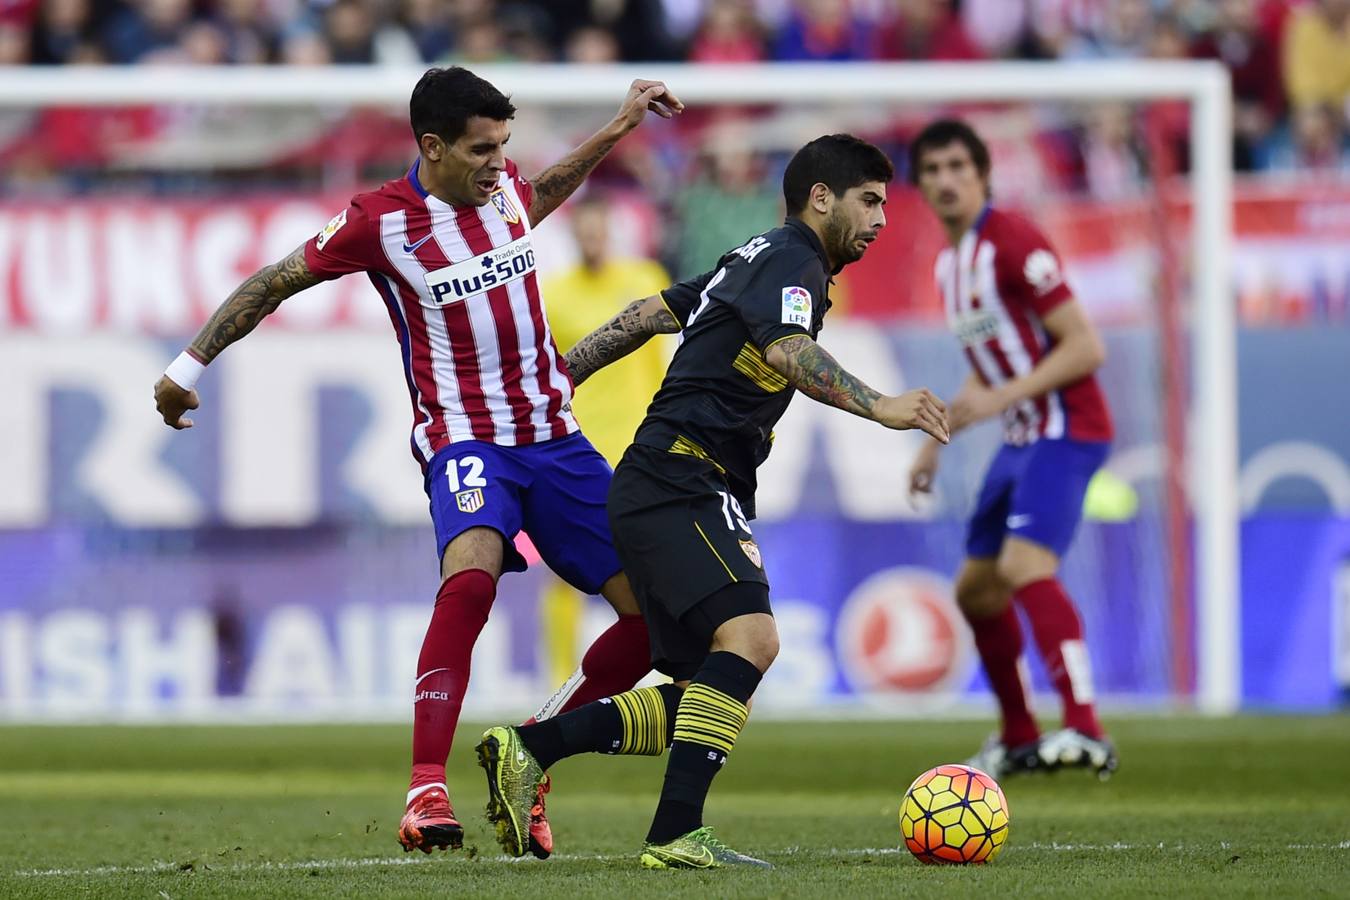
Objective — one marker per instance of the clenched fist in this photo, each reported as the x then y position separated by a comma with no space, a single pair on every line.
172,401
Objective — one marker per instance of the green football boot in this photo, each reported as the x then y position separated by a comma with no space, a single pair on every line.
698,849
513,777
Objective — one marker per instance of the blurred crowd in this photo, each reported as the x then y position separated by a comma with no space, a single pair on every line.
1290,59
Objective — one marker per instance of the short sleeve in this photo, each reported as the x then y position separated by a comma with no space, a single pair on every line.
683,297
350,242
1029,269
781,301
524,189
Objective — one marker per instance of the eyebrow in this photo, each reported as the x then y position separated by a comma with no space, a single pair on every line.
488,145
873,195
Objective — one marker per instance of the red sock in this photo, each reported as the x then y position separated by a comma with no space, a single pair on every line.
461,611
1059,635
999,641
618,659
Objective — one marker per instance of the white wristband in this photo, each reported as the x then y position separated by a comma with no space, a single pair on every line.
185,370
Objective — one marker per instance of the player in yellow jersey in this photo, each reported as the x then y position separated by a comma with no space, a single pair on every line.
585,297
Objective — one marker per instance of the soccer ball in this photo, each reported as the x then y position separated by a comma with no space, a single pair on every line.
954,814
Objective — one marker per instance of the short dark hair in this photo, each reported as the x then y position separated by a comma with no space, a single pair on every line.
838,161
445,99
939,134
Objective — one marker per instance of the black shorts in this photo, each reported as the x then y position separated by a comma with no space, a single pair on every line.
681,539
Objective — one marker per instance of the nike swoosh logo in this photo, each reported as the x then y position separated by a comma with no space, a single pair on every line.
1018,521
703,860
412,248
429,674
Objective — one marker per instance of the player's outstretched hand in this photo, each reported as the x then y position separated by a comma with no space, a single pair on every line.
644,95
172,401
923,473
914,409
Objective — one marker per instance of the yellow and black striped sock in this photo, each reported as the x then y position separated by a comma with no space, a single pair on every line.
711,715
637,722
647,716
710,718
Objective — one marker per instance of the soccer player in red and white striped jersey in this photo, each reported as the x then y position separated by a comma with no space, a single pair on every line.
1033,354
448,249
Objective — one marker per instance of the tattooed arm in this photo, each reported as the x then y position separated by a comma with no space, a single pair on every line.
260,294
620,336
813,371
556,183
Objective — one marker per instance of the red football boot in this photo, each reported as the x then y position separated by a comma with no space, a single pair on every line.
430,823
541,835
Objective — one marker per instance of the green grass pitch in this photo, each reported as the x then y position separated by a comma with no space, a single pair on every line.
1255,807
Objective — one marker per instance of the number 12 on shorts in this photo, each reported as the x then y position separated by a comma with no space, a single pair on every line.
731,510
473,473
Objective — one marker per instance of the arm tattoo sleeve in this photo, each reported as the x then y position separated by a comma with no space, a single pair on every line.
810,369
259,295
560,180
619,337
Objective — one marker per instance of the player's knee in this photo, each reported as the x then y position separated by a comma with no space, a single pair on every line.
1011,570
619,594
1022,562
751,637
766,646
980,597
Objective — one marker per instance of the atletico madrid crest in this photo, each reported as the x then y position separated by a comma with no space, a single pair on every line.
505,206
469,501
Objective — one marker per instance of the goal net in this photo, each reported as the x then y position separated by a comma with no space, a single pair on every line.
276,560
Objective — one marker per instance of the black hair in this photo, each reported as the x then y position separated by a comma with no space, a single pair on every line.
445,99
939,134
838,161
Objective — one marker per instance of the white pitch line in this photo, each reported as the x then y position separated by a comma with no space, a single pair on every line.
375,862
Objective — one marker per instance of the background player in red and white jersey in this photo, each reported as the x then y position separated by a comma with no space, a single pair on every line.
1032,353
448,250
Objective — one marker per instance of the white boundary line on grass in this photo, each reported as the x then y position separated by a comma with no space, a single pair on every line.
166,868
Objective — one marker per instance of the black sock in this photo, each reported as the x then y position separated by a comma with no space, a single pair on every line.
710,717
640,721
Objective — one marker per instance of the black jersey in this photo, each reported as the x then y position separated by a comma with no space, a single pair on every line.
720,399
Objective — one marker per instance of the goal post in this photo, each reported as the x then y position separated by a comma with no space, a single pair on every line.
1213,454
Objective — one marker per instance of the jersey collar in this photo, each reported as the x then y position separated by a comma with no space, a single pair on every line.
414,180
980,219
811,238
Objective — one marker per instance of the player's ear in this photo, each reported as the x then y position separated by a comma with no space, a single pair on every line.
822,198
433,148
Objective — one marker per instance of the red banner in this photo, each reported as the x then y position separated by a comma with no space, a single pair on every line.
161,266
1291,260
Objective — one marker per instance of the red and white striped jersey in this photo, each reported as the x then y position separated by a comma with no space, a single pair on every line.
459,283
997,284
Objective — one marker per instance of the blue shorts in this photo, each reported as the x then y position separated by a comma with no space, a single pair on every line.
1034,492
554,491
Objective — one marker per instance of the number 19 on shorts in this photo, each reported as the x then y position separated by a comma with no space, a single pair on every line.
731,511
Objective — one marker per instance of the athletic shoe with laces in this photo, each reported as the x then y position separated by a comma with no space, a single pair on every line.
996,760
429,823
699,849
541,835
513,777
1073,749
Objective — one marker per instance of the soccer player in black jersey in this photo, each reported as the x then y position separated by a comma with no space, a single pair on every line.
683,495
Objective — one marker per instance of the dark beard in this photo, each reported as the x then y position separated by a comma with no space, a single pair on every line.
837,242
